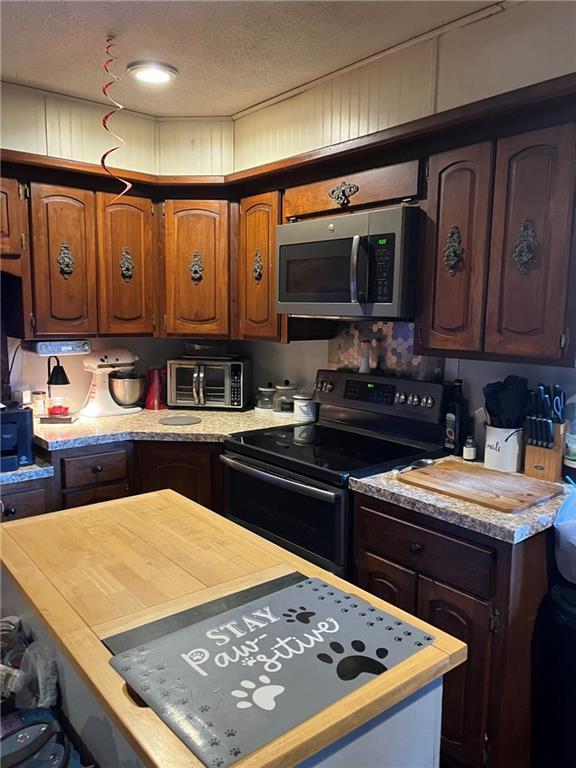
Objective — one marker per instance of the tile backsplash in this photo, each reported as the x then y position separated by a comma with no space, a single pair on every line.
391,350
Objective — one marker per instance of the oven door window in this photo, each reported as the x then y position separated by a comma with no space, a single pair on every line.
284,508
214,384
186,378
316,272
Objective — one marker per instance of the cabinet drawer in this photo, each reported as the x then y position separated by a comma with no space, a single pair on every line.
96,468
25,504
391,582
394,182
95,494
442,557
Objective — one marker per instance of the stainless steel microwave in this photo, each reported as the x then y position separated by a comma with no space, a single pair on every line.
353,265
209,383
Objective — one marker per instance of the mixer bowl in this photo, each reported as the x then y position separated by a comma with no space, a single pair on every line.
126,387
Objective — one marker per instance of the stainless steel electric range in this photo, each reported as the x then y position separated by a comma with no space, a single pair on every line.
290,484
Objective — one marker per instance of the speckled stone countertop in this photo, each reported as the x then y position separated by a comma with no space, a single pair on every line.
510,527
31,472
215,427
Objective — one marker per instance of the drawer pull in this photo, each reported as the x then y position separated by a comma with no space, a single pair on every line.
9,511
98,468
416,547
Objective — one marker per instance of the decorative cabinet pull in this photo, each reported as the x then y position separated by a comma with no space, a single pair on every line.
126,265
416,548
196,268
453,251
98,468
258,267
65,261
524,251
343,192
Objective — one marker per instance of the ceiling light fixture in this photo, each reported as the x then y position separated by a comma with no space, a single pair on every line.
152,71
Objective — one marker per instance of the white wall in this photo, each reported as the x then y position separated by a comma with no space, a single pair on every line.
517,45
297,361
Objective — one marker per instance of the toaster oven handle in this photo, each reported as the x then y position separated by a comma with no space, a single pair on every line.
195,385
201,394
280,482
354,269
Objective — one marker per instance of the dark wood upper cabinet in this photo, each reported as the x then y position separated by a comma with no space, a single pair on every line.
197,275
259,216
12,219
126,264
466,689
531,241
456,248
64,260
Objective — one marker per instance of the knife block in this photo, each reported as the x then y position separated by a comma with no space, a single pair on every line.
546,463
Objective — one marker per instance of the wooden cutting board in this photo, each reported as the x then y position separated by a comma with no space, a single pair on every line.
473,483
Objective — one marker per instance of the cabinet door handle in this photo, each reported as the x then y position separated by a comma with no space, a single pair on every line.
196,268
416,548
98,468
258,267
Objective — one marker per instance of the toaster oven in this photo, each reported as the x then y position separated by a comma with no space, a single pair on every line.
209,383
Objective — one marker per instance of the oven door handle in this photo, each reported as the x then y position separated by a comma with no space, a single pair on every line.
354,269
201,386
195,385
280,482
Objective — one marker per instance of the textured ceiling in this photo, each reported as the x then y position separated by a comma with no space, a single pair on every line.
231,55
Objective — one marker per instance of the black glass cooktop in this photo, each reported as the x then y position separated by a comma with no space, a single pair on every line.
324,452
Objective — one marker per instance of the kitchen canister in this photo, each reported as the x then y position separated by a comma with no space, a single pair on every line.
503,449
305,409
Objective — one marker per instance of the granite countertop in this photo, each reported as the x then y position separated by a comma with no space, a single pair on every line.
35,471
215,427
510,527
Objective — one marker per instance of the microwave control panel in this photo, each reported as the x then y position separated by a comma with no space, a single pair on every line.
235,384
381,270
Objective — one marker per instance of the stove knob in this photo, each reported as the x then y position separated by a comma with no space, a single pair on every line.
414,399
429,401
401,397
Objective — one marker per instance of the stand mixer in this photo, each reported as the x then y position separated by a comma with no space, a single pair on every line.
101,363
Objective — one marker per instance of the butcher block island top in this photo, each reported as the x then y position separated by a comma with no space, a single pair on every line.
95,572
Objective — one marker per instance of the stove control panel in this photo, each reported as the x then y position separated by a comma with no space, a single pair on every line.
417,400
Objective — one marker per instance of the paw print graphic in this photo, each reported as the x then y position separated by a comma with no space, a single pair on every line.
235,751
301,614
125,668
182,702
214,742
160,667
263,695
407,633
218,762
164,693
350,666
379,618
162,680
362,613
229,732
369,623
205,708
398,639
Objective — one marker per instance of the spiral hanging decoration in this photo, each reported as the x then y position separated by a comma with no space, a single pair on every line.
117,107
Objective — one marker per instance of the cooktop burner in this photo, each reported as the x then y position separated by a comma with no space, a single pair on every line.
322,451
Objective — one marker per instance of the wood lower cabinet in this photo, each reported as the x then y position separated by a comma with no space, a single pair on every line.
259,216
456,248
64,261
127,263
466,689
485,592
26,499
187,468
197,270
531,243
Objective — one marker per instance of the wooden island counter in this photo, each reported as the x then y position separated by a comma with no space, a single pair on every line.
77,577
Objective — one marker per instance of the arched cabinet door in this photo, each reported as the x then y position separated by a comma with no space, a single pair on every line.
64,260
259,216
456,249
466,689
391,582
127,263
531,240
197,274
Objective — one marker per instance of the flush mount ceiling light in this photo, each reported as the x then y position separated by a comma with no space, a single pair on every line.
152,71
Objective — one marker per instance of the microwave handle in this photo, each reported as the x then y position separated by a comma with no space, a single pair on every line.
201,393
354,269
195,385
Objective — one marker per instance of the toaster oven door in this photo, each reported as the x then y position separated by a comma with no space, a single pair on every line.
214,385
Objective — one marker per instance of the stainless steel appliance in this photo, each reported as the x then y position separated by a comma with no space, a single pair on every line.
351,265
100,400
290,483
223,382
